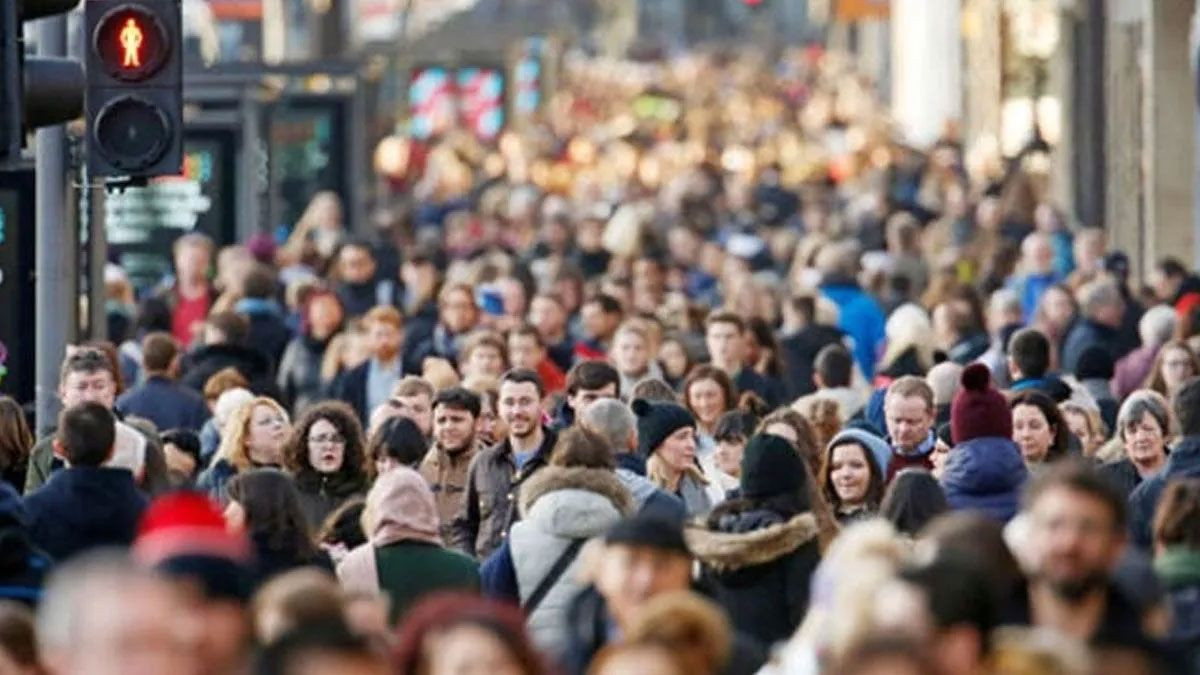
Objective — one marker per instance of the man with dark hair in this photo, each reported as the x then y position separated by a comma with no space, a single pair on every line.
1077,520
1175,285
1029,365
958,327
587,381
526,350
600,317
1102,313
268,331
1184,462
160,398
495,475
86,505
833,373
455,420
803,337
725,336
359,286
224,346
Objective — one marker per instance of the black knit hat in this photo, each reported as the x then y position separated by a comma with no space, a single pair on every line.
657,421
770,467
1095,363
651,532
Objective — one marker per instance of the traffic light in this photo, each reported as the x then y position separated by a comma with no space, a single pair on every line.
35,91
134,88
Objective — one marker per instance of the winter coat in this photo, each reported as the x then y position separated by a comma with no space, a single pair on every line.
966,350
83,508
271,559
351,388
322,494
1131,371
860,316
759,564
166,403
446,475
589,628
269,333
986,475
1178,568
299,377
559,506
1123,475
23,566
1087,333
131,443
215,478
799,351
768,389
649,499
490,506
1184,462
207,361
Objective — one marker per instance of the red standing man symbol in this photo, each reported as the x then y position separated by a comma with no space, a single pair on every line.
131,44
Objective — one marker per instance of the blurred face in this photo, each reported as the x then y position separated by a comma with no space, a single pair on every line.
1075,540
385,340
524,351
1039,256
706,398
418,408
519,408
941,455
909,421
325,316
726,345
326,447
1080,428
484,360
630,354
629,576
192,263
850,473
729,455
1176,368
469,650
1165,287
1058,308
678,451
548,317
1032,432
458,312
1145,442
356,265
489,428
88,387
597,324
582,398
673,358
155,634
453,429
266,436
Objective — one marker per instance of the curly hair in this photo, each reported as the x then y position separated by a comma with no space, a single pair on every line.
351,476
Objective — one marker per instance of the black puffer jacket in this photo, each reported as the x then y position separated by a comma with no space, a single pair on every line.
758,564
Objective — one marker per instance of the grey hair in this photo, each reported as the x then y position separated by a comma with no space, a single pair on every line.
1137,405
611,419
943,379
1098,294
1004,300
76,584
1158,325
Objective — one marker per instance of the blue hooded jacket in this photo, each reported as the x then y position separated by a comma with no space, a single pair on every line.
861,318
986,475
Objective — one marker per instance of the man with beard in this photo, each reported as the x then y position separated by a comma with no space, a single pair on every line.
370,385
1077,536
495,475
455,413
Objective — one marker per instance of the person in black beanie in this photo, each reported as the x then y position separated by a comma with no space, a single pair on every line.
759,552
1094,370
667,439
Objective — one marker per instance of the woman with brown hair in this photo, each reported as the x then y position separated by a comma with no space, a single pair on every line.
326,456
254,437
15,443
707,394
1174,365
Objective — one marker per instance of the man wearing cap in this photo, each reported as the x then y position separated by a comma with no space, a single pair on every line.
642,558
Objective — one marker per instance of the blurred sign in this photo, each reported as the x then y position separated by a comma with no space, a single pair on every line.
481,100
528,77
377,20
862,10
431,102
236,10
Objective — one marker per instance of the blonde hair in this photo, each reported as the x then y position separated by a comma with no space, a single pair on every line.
233,436
909,327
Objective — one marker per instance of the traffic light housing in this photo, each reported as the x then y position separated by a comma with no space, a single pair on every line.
34,91
134,88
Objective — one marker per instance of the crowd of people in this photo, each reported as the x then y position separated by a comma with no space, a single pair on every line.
703,371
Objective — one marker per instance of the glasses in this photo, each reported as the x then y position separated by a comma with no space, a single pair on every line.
328,439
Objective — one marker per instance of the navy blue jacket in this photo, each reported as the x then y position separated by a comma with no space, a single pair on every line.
985,475
82,508
1087,333
1184,462
23,567
767,388
351,388
167,403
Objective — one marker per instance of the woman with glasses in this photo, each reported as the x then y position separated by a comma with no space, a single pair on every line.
325,456
254,437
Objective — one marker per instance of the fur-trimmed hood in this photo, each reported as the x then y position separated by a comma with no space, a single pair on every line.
730,551
557,478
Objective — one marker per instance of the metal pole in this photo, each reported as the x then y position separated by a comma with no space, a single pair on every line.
54,245
97,260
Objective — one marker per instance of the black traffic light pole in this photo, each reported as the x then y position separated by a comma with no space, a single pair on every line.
56,242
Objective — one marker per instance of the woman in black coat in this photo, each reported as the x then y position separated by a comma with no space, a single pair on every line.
264,503
759,552
325,456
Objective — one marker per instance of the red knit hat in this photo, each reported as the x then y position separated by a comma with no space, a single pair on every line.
979,409
186,524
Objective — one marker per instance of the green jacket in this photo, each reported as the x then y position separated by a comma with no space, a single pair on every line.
409,570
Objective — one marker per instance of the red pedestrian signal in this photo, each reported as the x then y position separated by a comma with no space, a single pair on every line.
131,42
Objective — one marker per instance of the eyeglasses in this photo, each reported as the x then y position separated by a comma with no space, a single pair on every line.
329,439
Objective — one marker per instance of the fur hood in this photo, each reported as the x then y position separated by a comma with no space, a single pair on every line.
556,478
731,551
